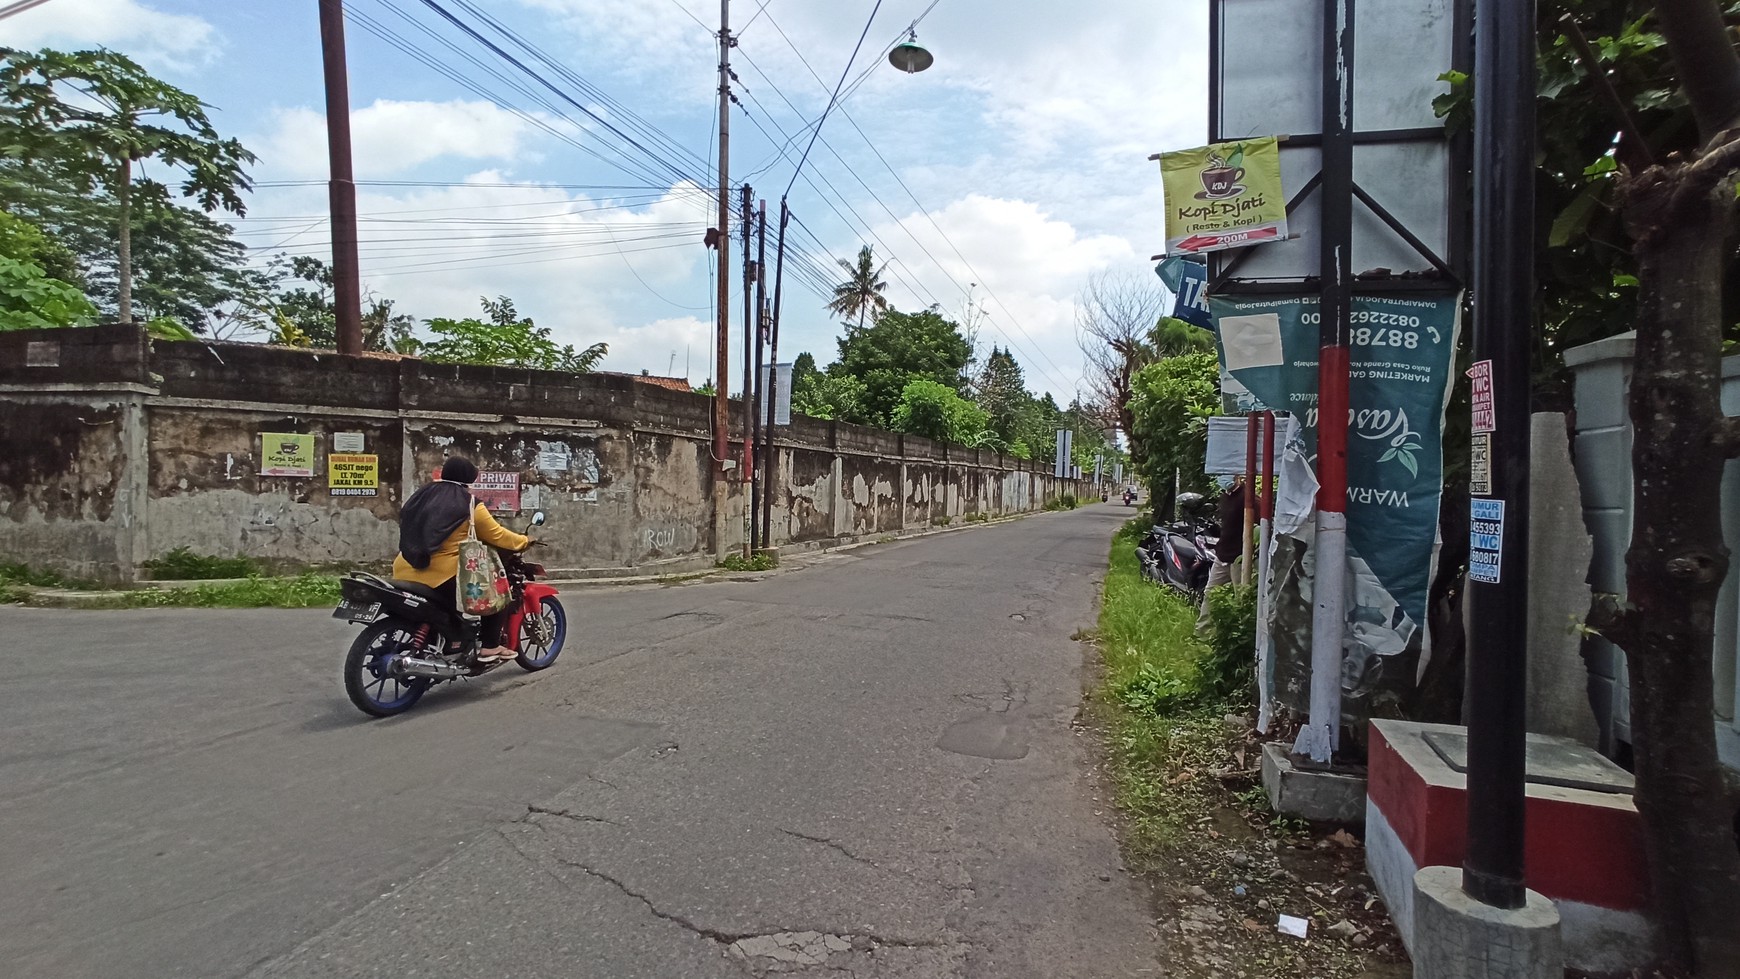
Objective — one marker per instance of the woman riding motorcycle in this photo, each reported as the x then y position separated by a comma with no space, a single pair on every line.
432,525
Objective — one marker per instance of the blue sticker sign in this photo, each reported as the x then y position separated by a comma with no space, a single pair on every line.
1485,539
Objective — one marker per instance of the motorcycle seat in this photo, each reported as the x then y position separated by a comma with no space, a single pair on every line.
414,588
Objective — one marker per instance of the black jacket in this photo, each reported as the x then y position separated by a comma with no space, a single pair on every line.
1232,525
429,516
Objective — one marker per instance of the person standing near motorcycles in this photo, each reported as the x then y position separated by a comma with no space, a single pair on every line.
432,525
1228,547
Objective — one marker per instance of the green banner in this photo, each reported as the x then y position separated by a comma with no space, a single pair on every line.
1402,352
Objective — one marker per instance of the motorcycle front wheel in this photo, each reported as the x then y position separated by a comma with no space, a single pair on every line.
368,677
542,636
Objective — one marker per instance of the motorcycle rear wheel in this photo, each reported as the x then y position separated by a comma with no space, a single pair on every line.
367,677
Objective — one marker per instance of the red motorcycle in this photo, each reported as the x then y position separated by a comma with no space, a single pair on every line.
416,639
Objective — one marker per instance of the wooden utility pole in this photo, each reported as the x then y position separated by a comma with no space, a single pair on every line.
341,188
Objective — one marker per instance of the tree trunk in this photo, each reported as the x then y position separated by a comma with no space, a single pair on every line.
124,262
1681,216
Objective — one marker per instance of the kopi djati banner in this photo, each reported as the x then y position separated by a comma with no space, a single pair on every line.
1227,195
1402,351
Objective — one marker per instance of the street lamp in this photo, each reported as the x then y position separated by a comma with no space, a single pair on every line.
909,56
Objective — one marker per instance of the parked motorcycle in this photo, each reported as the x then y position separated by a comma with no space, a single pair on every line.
1179,555
416,639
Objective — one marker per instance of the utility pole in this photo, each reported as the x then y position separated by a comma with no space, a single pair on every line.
722,363
759,332
1504,140
341,188
1319,736
748,477
769,462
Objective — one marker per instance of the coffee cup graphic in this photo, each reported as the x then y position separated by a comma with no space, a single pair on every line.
1221,180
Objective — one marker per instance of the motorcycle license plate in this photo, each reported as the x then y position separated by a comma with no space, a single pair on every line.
356,612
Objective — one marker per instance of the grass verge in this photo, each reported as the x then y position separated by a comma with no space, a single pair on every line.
1184,765
302,591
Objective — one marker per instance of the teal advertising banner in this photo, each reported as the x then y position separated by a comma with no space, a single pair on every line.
1402,352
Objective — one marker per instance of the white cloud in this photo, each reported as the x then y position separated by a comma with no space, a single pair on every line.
391,137
175,39
1027,266
569,261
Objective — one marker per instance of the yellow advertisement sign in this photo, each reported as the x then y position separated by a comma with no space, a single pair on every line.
353,474
1227,195
286,454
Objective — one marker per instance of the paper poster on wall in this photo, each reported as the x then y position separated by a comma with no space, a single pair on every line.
500,491
353,474
286,454
554,457
348,442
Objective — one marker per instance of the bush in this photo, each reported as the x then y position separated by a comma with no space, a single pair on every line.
941,521
1228,670
182,564
1155,663
977,518
759,561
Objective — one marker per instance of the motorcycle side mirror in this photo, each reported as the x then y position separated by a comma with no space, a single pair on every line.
538,519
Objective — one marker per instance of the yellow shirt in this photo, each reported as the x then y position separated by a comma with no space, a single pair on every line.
444,563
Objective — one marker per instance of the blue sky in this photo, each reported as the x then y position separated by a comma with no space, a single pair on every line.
1008,174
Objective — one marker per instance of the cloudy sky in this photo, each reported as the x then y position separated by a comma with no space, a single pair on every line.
1005,176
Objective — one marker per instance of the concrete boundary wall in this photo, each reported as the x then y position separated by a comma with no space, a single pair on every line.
1602,449
115,449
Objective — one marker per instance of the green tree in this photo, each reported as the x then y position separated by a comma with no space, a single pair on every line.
185,264
31,297
896,349
862,292
24,241
1001,390
1171,401
95,114
937,411
505,339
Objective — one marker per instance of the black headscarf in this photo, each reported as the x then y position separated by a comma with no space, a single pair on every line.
436,511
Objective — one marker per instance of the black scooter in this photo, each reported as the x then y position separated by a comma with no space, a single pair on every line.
1179,555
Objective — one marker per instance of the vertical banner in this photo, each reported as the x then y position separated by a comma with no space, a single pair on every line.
1226,195
1402,353
782,407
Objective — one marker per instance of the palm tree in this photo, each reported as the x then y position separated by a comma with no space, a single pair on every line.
862,291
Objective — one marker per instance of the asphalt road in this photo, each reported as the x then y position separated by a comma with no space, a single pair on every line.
868,765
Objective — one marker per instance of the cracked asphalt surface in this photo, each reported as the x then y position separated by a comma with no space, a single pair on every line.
868,766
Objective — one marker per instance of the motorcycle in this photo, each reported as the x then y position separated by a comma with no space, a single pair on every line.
1180,555
415,639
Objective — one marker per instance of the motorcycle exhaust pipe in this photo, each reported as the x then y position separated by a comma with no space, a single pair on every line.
433,668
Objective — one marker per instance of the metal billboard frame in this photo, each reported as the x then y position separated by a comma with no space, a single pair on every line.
1440,268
